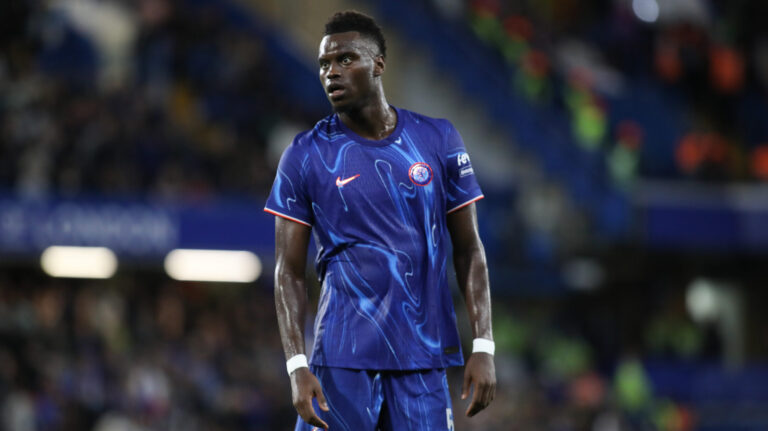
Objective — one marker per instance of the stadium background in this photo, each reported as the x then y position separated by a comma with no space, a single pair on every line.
622,146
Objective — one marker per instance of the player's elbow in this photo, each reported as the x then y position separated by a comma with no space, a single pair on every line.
470,253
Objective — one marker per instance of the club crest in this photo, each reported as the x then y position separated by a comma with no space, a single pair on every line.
420,174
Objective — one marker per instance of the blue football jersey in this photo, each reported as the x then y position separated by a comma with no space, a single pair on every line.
378,213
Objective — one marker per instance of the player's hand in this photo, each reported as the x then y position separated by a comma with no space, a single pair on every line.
480,372
305,386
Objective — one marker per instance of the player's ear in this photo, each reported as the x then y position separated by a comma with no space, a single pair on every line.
379,64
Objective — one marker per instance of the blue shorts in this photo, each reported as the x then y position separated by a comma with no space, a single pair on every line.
371,400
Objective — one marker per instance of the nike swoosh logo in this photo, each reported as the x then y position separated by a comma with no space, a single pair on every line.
342,183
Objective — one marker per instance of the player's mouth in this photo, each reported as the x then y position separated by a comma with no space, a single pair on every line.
335,91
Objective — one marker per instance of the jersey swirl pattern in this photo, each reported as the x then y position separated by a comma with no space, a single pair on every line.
378,213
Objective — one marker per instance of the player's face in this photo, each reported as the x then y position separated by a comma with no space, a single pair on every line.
349,67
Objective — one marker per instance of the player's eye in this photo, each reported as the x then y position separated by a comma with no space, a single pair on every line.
324,64
346,60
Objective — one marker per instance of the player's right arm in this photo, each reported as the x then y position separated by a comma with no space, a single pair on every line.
291,242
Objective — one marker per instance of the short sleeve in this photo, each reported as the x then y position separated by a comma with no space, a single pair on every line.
462,188
289,198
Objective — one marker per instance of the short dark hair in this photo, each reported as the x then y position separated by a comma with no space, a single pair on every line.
351,20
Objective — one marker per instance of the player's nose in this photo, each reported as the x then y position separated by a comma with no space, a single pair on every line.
334,71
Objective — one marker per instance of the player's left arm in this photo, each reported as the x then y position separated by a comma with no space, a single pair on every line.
472,274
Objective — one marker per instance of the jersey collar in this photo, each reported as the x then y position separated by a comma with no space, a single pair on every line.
394,136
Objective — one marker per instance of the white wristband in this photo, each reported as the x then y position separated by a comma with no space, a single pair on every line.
483,345
298,361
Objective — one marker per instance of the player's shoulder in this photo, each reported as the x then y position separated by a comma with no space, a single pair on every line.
320,129
324,131
438,125
305,139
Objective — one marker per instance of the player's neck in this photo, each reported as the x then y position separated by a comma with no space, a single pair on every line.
375,120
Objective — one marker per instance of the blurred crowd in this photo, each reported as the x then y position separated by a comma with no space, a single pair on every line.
616,66
141,353
125,97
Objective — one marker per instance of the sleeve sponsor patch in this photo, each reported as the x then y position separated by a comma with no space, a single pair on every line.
465,166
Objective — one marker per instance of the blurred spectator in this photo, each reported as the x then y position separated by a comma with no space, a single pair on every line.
624,157
588,120
760,162
726,69
704,156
